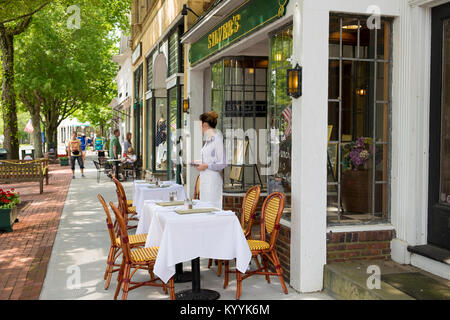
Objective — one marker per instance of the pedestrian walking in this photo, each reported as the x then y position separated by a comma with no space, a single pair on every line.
75,154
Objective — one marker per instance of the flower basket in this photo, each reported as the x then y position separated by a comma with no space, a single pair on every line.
7,218
8,209
64,161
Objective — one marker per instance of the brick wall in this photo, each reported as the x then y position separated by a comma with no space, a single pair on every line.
342,246
368,245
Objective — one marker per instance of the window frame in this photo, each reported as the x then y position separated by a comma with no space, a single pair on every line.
376,103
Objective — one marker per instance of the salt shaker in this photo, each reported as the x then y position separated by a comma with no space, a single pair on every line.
188,204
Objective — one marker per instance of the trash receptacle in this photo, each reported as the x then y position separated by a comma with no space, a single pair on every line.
3,154
27,152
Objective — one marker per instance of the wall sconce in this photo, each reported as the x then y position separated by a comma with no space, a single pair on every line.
361,92
186,105
294,82
278,56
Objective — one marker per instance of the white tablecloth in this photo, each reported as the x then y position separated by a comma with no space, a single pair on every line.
142,192
185,237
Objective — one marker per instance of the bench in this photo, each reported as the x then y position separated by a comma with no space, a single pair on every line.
13,171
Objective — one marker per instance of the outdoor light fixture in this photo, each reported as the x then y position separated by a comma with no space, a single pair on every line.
294,82
186,105
185,10
278,56
361,92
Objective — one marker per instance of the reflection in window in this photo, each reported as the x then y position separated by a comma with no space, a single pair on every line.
280,113
358,120
161,134
239,96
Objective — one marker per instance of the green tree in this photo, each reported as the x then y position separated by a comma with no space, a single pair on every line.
61,70
15,17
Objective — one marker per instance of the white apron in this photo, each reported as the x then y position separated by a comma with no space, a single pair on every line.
211,183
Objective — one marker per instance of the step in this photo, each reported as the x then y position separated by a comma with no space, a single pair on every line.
348,281
432,252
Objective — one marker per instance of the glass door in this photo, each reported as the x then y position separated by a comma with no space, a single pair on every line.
439,181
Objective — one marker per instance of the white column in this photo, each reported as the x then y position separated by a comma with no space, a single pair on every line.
193,136
410,129
309,152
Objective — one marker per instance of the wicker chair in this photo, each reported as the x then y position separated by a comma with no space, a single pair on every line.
137,259
270,222
137,240
124,204
247,218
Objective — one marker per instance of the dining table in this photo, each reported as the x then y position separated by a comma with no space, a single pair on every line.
150,191
144,191
188,236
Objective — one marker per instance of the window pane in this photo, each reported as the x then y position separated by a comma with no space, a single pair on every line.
333,79
366,42
445,127
383,41
383,81
382,133
161,133
349,37
173,109
335,34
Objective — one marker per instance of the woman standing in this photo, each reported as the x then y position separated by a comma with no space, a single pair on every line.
213,161
127,143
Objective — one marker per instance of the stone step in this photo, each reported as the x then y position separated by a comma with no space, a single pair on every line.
349,281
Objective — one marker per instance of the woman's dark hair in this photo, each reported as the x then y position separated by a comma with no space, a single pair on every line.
210,118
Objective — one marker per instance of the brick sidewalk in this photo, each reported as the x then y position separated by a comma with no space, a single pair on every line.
25,252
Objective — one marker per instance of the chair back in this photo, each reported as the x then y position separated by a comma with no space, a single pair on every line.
197,188
112,229
271,215
122,198
97,165
248,208
124,241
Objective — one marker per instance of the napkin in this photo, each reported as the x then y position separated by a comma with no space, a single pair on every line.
199,210
170,203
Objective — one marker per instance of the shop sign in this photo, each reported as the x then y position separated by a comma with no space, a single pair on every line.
247,18
136,53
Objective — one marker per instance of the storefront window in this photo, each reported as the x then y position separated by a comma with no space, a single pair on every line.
160,134
149,72
280,113
172,130
239,96
175,52
358,121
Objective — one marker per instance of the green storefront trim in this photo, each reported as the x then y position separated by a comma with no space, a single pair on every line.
247,18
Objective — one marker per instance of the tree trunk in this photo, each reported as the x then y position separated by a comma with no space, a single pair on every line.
11,132
37,138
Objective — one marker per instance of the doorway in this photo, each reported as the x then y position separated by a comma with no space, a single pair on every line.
439,177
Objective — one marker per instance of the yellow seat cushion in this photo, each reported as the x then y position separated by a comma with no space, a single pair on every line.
130,203
258,245
132,210
144,254
135,239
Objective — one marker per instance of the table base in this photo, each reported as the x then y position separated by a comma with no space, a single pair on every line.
203,294
183,277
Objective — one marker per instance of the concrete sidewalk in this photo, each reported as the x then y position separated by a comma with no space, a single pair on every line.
81,248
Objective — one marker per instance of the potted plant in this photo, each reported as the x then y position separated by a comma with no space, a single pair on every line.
9,199
63,160
356,180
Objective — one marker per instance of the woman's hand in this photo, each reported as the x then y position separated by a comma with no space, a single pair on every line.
202,167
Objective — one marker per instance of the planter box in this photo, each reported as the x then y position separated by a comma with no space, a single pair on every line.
7,218
356,191
64,162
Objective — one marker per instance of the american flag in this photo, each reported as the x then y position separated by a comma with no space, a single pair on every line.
287,115
29,127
